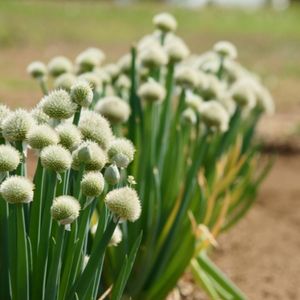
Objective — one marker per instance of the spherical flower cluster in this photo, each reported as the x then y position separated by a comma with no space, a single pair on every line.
81,93
153,56
69,136
121,152
17,189
89,59
16,125
103,76
96,128
242,93
56,158
225,49
193,101
151,91
112,174
59,65
93,157
114,109
176,49
214,115
124,203
189,116
116,237
92,184
65,81
41,136
37,70
265,101
124,63
58,105
186,77
4,112
123,82
165,22
228,103
112,70
39,116
92,79
212,88
65,209
9,158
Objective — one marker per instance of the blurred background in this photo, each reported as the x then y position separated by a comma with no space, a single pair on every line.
262,253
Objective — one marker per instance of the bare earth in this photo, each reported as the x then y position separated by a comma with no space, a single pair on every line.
261,254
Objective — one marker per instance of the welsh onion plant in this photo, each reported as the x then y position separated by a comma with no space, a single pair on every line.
191,119
47,248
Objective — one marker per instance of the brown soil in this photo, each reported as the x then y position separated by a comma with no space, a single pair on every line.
261,254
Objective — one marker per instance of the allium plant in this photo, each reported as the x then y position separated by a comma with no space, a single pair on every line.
47,248
191,120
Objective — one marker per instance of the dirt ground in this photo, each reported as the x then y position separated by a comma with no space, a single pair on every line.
261,254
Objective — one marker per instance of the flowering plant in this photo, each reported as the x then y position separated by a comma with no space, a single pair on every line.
47,248
191,120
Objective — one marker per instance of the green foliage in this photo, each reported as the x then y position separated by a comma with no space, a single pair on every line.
196,167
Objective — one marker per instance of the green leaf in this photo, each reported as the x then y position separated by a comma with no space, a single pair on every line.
219,277
119,285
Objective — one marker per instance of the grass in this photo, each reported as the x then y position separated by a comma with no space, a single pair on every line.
268,41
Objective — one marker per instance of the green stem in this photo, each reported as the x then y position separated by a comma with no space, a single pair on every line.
4,253
40,270
22,256
43,85
94,264
56,261
36,208
77,116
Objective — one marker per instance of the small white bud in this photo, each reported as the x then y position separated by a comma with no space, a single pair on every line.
112,174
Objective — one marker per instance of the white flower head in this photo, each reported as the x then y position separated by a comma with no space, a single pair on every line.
214,115
114,109
65,81
90,59
152,91
165,22
225,49
153,56
59,65
124,203
37,70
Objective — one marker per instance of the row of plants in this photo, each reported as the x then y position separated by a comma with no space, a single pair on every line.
140,165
